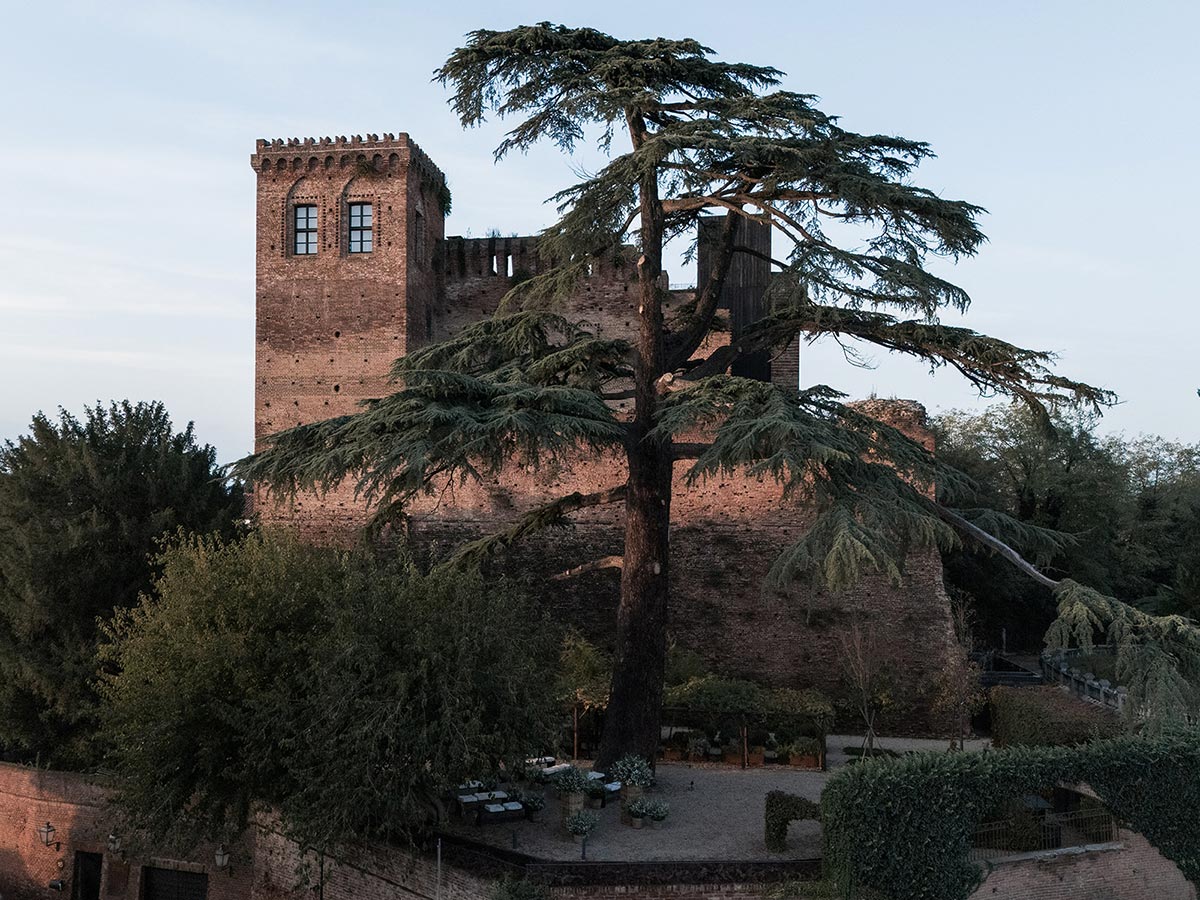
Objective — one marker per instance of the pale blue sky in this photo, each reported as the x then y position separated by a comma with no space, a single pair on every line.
126,244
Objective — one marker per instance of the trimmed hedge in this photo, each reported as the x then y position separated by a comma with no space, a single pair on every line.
781,810
904,827
1048,716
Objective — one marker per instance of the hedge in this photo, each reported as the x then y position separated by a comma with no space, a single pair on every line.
1048,716
705,701
781,810
904,827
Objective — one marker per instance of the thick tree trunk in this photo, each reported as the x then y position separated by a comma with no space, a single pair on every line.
633,721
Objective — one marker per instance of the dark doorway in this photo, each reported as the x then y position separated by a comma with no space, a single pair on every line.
86,884
172,884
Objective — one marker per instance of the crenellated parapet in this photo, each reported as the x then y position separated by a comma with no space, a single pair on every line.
384,153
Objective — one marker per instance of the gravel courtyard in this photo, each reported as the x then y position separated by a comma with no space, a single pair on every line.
716,813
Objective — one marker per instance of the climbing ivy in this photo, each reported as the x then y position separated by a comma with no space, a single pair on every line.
904,827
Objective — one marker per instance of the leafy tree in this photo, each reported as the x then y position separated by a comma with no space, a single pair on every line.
82,503
584,676
344,690
530,387
1121,513
1127,512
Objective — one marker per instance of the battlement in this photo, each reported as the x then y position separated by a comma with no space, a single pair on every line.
309,154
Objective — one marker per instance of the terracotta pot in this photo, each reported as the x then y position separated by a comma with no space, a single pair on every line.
571,804
637,823
732,757
629,793
656,823
756,757
804,762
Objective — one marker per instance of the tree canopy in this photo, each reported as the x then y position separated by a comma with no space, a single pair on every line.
688,136
343,690
82,504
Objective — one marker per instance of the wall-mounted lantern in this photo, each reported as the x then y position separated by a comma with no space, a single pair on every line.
221,857
46,833
114,843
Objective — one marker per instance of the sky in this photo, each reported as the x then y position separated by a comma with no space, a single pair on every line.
127,246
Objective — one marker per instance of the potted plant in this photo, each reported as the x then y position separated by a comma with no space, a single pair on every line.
534,804
731,753
804,753
697,747
675,747
635,776
595,791
639,811
571,785
757,754
656,811
580,824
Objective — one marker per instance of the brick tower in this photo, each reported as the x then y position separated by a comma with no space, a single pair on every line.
347,235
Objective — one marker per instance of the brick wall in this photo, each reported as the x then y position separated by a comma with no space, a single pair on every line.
77,807
1135,871
267,866
374,873
330,325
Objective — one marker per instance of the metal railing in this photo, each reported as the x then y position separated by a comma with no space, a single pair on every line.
1059,667
1034,833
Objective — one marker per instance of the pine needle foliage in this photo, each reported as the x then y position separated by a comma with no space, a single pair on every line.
687,136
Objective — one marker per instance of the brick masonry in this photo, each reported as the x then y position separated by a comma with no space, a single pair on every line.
77,807
267,866
1131,870
329,326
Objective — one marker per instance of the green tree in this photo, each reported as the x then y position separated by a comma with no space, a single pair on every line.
1122,513
82,503
528,386
1067,485
343,690
1126,512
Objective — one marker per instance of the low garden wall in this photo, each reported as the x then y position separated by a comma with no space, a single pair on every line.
1130,869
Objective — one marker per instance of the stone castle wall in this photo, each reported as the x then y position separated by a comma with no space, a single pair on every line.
329,327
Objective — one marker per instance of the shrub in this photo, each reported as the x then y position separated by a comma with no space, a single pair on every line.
508,888
810,705
1047,716
633,770
534,802
714,694
904,827
582,822
802,747
571,781
595,789
781,810
639,808
657,809
345,690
